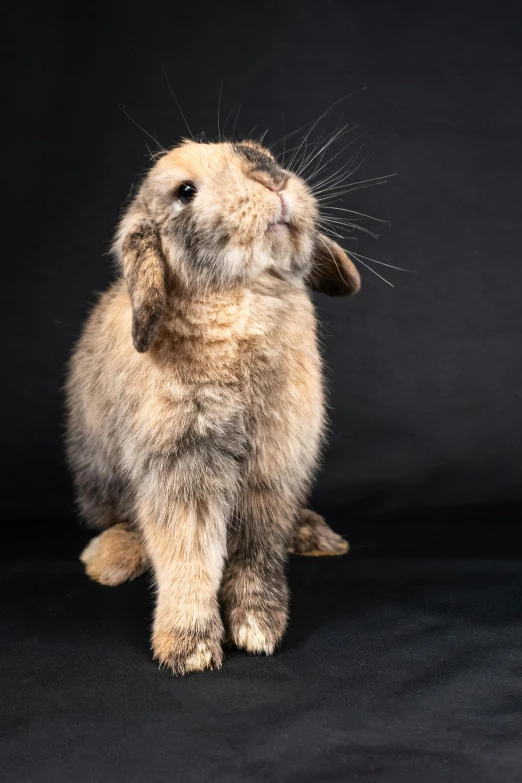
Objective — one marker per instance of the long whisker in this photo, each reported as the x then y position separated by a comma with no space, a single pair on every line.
341,174
291,133
317,170
334,190
350,189
390,266
235,123
177,102
304,141
321,140
335,136
284,143
284,138
218,110
314,124
227,119
124,110
329,230
350,225
371,270
334,180
363,214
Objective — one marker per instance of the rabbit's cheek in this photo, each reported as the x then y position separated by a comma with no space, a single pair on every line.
248,223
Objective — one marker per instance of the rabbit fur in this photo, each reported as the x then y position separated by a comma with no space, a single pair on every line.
195,398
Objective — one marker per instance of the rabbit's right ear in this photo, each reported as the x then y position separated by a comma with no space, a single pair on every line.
332,272
144,267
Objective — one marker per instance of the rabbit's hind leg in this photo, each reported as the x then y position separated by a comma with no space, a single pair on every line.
115,556
313,537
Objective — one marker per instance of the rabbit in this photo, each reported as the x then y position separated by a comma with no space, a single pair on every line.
195,399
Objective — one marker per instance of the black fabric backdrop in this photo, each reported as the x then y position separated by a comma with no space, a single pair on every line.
392,669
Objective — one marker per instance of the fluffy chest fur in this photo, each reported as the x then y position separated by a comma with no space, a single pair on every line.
237,361
234,376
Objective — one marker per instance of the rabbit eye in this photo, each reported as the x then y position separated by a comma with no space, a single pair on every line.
186,192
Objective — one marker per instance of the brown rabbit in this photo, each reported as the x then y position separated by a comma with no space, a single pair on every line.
195,398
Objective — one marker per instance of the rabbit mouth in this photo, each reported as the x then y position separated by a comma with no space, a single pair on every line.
278,225
283,215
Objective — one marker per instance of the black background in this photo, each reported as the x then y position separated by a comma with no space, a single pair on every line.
396,670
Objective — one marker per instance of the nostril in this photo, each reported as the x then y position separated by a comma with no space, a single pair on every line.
273,184
278,185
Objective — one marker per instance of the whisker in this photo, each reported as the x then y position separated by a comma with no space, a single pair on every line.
329,230
313,144
286,136
314,124
334,180
390,266
328,163
351,225
177,102
337,134
363,214
341,174
304,141
284,144
235,123
124,110
335,137
349,190
356,255
316,143
334,190
218,110
227,119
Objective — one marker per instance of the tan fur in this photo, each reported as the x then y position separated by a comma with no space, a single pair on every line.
315,538
195,399
115,556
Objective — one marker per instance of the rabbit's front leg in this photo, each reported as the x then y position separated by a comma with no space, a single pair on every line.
254,592
186,542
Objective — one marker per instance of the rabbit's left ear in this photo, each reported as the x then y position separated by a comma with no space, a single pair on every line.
332,271
144,269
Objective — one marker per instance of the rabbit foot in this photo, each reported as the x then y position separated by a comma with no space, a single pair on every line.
115,556
184,654
314,538
256,630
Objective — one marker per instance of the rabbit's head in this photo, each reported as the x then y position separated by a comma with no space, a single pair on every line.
216,216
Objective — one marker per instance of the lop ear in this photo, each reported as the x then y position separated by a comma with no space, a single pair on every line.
332,271
144,269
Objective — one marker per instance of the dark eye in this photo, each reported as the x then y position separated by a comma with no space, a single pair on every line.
186,192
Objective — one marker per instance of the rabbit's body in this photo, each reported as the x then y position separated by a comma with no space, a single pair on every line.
203,436
211,404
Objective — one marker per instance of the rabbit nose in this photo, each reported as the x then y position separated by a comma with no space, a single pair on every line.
273,183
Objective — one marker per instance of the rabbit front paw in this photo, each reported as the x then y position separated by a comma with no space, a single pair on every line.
257,629
186,653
